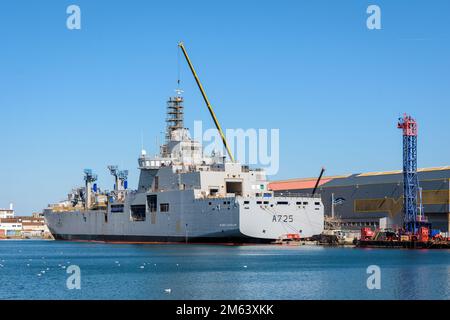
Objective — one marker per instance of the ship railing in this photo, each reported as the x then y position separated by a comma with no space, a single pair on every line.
297,195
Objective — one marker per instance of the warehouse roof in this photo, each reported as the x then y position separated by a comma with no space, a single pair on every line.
424,174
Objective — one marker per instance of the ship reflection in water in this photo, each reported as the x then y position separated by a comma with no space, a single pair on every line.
38,270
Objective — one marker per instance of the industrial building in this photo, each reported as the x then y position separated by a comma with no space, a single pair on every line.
34,227
368,199
10,227
22,227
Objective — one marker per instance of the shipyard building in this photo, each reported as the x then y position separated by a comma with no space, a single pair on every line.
376,199
25,227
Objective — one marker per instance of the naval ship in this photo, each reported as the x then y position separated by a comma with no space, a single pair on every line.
184,195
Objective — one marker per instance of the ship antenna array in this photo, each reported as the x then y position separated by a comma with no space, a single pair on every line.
178,70
205,98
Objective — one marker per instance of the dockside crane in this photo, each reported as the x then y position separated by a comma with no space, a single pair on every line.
413,217
205,98
89,178
318,180
416,231
120,178
123,182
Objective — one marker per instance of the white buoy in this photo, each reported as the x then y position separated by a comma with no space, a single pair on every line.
168,291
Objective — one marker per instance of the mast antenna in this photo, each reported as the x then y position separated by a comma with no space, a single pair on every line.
178,70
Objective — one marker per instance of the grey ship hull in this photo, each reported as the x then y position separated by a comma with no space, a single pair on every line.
189,220
217,239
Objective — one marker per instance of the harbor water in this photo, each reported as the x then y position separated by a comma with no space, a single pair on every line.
38,270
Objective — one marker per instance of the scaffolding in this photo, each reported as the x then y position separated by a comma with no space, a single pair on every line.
175,115
174,119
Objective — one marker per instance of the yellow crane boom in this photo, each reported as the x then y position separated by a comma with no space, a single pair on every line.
205,97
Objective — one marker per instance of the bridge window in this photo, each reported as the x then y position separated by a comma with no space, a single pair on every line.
213,191
234,187
138,212
152,202
117,208
164,207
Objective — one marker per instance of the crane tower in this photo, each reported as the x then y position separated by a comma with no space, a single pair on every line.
412,218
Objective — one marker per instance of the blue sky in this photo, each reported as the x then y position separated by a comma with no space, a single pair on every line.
76,99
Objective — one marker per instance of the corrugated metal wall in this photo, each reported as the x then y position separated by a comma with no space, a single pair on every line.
364,199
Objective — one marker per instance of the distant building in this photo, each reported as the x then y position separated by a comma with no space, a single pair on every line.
37,215
7,213
24,227
34,227
10,227
370,198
